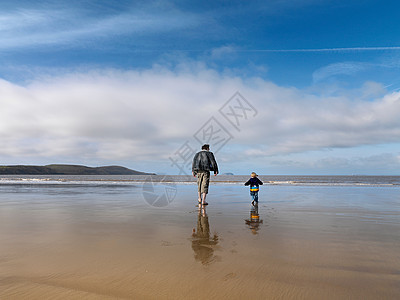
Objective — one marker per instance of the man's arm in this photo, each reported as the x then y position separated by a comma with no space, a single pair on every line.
195,163
213,163
248,182
259,182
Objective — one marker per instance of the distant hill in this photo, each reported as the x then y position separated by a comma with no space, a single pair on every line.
68,170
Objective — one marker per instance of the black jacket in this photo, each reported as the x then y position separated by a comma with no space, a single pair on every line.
253,181
204,161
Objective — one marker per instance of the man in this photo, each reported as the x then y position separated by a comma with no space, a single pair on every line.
203,163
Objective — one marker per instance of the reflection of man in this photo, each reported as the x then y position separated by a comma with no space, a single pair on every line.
203,163
202,243
254,221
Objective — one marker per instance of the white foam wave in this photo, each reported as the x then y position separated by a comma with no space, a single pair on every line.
58,181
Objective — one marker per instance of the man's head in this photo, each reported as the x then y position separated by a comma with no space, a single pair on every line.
253,174
205,147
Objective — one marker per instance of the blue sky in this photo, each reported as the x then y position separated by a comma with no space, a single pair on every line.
128,82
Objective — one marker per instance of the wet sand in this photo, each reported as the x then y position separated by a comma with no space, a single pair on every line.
302,242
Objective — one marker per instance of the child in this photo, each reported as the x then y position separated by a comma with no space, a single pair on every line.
254,183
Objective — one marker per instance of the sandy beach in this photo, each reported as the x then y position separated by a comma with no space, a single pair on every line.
106,242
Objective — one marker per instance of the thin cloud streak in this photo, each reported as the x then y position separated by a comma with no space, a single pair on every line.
346,49
33,28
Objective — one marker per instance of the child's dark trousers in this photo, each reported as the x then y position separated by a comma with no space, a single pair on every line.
254,196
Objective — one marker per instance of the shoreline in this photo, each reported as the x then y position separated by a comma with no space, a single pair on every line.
373,181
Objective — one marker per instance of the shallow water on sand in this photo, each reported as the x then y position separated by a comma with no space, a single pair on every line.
105,241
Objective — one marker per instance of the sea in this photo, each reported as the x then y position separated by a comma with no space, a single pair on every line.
297,180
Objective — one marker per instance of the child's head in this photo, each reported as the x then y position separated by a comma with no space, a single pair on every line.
253,174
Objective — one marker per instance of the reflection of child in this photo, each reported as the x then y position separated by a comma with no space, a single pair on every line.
254,220
254,183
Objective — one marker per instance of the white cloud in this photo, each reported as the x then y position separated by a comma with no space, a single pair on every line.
148,114
222,52
379,164
342,68
351,68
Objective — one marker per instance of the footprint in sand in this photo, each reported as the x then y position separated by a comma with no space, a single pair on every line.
229,276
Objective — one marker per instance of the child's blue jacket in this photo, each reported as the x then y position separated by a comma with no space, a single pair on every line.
254,182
